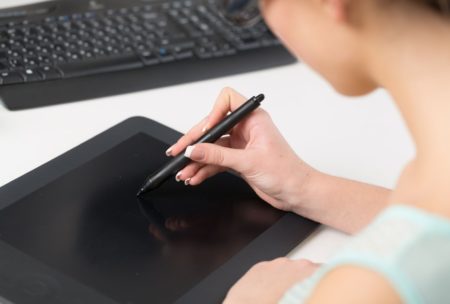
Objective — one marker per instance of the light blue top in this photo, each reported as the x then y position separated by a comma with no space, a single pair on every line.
407,246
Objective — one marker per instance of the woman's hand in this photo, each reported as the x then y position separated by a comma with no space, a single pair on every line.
267,282
254,148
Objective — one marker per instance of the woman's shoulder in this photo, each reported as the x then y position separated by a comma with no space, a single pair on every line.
407,246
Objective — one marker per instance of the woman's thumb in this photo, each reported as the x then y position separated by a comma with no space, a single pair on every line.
212,154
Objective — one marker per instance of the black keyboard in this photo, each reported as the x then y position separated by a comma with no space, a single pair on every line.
100,38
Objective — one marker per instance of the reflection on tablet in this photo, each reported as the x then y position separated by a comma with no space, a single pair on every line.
192,222
88,225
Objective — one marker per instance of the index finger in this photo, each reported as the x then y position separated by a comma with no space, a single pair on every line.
187,139
228,100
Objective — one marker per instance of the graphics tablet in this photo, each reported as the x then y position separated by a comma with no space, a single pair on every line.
72,231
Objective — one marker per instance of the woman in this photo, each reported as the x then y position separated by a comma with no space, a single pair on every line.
403,255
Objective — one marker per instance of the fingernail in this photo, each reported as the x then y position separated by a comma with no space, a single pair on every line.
205,128
188,151
187,181
178,177
169,151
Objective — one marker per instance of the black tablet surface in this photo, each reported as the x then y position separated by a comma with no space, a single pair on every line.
72,231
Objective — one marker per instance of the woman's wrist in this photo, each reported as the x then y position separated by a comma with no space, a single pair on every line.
298,189
314,196
341,203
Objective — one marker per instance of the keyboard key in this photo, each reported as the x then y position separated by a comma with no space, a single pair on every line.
32,75
12,77
50,73
89,15
101,65
183,55
16,62
248,43
149,58
183,50
203,53
165,55
3,66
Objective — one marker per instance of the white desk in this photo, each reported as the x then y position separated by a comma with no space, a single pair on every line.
363,138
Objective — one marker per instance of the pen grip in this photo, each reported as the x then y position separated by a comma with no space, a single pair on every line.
180,161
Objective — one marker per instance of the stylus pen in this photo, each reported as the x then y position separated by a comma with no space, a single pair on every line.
180,161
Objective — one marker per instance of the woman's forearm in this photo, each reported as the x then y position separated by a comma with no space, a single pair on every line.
341,203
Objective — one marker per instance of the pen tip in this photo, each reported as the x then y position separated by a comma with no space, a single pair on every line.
140,192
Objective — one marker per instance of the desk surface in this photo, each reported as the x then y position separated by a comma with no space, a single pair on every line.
359,138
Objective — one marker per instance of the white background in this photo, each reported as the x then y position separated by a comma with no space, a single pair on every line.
359,138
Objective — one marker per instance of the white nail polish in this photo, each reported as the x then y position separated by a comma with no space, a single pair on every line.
188,151
187,181
169,151
177,177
